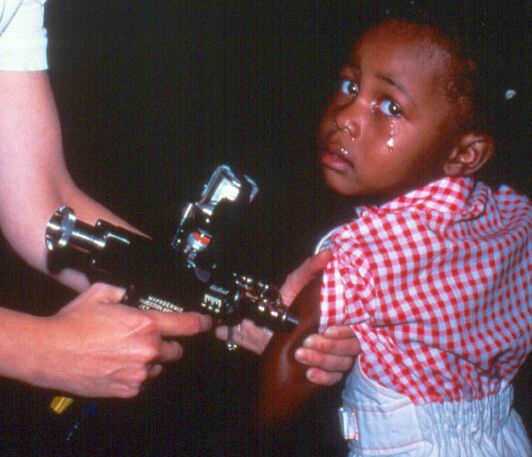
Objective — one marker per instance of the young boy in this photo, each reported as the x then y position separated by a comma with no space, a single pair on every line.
434,272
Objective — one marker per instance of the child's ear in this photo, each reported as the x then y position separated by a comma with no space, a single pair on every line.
470,153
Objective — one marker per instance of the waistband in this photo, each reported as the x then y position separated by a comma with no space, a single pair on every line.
378,421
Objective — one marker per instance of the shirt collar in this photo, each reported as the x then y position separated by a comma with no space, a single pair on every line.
449,194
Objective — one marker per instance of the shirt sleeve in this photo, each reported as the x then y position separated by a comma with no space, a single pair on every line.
23,38
347,288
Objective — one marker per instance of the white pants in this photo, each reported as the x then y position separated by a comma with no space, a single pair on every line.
380,422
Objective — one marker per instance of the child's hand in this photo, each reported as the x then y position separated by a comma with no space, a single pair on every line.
330,355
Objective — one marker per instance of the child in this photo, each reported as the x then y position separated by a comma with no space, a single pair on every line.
434,272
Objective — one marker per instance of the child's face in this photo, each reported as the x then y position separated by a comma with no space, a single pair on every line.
389,128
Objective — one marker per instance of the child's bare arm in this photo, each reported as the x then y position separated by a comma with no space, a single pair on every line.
285,382
284,386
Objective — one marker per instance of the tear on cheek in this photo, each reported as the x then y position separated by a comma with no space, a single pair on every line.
390,144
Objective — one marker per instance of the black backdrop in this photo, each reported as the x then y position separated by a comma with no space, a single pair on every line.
152,97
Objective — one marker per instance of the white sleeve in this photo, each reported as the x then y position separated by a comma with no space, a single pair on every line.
23,37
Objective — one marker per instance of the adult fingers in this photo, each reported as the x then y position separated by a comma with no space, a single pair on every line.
327,362
155,370
302,275
181,324
335,346
246,335
169,351
339,331
221,332
108,293
323,378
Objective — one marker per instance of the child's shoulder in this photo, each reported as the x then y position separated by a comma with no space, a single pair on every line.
513,208
447,210
507,196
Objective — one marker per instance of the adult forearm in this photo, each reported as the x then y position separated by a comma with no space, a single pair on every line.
93,346
34,180
17,355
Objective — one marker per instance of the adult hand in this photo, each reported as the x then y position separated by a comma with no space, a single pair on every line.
254,338
302,275
96,347
329,355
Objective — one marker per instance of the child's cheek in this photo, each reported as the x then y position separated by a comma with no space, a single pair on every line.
326,127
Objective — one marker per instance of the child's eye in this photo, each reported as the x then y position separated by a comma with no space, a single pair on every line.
390,108
349,87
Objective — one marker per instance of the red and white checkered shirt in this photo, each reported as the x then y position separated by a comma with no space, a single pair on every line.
436,284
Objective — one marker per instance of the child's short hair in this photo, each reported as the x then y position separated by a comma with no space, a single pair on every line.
478,37
490,39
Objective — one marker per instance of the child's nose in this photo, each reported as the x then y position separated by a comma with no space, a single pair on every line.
346,119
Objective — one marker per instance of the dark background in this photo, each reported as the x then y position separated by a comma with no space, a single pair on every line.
152,96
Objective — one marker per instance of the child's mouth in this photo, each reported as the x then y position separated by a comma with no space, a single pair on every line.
335,160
